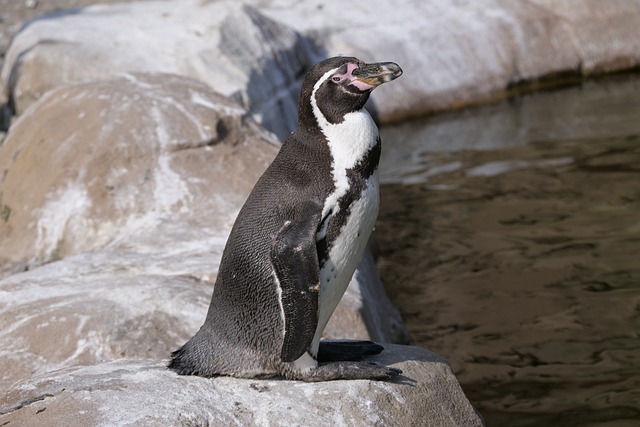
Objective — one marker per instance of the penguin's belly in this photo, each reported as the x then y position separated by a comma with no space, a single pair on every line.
345,253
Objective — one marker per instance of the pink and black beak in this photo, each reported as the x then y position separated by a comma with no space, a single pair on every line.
369,76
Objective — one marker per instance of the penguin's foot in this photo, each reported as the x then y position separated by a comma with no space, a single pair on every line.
349,371
346,350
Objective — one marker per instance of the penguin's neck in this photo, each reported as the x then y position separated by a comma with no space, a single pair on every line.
349,140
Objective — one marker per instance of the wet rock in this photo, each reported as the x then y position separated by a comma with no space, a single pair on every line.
142,392
118,197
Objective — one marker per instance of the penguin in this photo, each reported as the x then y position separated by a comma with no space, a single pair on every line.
297,241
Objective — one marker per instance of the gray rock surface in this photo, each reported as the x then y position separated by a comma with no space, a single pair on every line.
452,53
16,13
469,51
103,306
115,160
142,393
229,46
143,300
118,198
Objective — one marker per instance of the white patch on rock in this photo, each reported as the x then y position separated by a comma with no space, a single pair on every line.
170,190
61,213
227,110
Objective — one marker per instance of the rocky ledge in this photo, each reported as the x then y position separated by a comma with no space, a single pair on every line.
137,392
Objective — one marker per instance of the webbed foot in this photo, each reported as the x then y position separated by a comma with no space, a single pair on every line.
350,371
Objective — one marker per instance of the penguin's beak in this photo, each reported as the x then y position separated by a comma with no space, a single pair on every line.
378,73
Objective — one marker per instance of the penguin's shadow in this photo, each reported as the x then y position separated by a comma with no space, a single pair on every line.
402,380
279,108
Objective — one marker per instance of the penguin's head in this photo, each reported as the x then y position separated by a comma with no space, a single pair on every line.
340,85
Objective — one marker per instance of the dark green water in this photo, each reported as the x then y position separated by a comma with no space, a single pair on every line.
510,240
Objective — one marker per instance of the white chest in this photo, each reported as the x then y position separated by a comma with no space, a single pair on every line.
348,246
345,253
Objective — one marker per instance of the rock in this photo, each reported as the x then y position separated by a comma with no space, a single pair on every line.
15,13
457,53
232,48
103,306
142,300
452,53
119,159
143,393
138,182
274,59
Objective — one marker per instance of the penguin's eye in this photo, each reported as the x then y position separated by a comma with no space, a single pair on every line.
336,79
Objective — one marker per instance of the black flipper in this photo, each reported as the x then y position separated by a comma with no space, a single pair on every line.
295,259
346,350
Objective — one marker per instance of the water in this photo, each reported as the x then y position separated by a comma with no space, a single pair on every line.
509,238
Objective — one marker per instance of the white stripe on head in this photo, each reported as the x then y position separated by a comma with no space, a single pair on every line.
349,141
